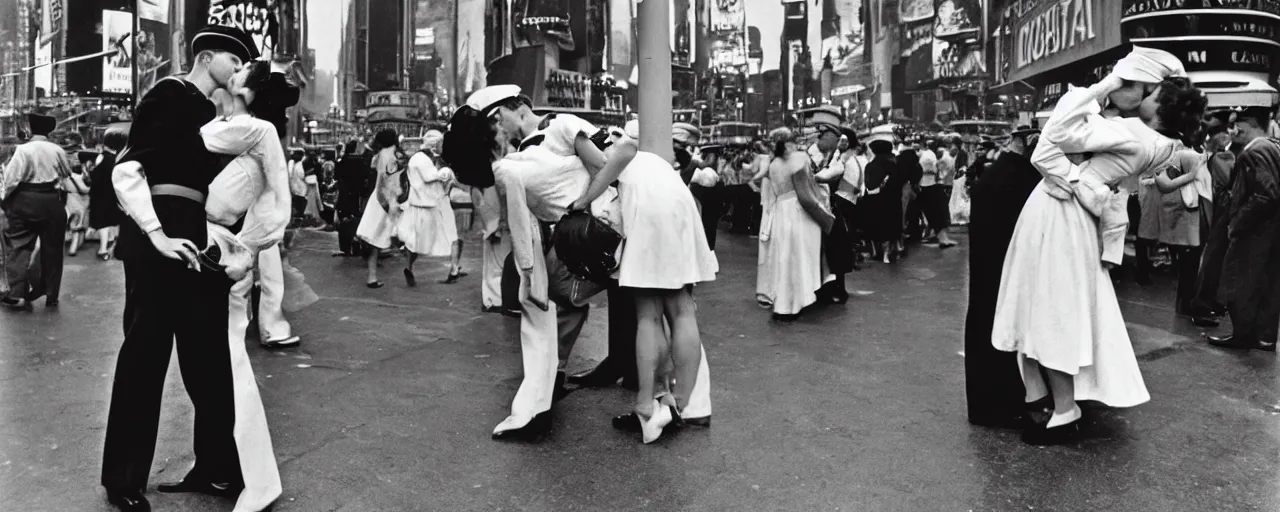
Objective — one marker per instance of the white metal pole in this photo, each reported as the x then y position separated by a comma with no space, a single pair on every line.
655,77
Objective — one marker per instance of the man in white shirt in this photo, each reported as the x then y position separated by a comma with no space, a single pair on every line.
29,197
934,183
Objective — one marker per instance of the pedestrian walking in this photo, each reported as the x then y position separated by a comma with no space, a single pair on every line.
30,191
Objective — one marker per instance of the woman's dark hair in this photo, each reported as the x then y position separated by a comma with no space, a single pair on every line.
469,146
386,138
881,147
1180,108
273,94
349,148
780,138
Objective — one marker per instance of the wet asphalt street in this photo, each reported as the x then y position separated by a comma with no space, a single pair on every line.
389,402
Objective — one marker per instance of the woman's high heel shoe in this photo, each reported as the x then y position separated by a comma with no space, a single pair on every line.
651,427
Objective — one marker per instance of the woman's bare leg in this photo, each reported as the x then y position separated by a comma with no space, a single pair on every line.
686,342
455,259
371,262
650,340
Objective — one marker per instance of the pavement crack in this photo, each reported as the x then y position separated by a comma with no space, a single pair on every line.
337,435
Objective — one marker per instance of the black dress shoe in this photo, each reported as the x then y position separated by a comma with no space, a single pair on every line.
1041,435
1204,321
195,483
537,428
1233,342
128,501
602,376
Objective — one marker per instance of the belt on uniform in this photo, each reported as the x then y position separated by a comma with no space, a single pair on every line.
48,186
168,189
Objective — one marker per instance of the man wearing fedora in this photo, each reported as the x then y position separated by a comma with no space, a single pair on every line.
30,198
161,180
829,170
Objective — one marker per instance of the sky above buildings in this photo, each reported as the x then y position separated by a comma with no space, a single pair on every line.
325,22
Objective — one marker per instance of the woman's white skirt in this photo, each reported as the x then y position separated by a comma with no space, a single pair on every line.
428,231
666,245
377,226
795,257
1057,305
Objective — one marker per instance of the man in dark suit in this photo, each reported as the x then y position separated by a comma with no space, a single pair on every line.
1251,271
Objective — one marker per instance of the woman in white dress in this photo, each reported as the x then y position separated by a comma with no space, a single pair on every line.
664,255
381,214
1056,307
797,222
427,227
254,189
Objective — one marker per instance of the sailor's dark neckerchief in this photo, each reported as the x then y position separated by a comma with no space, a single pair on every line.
600,138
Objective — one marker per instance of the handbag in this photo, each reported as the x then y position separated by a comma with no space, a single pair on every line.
587,245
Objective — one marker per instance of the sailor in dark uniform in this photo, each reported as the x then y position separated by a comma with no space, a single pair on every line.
167,297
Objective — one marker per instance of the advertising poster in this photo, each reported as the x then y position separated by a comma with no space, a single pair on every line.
154,10
911,11
538,21
844,45
471,72
117,71
620,37
957,41
258,18
153,48
53,19
42,77
682,16
728,37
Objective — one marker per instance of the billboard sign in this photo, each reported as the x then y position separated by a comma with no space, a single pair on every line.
957,40
1051,34
844,47
154,10
43,77
117,69
728,36
258,18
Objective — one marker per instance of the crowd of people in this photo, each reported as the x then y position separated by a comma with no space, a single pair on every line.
565,210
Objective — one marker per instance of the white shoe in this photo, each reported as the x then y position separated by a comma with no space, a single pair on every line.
651,427
281,343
